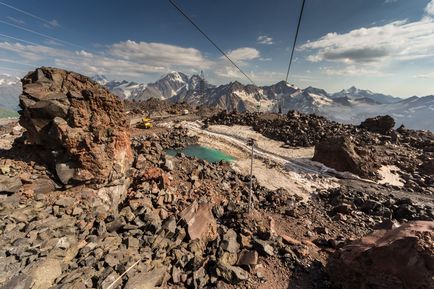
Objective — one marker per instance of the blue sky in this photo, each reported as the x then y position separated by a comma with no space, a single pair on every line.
383,45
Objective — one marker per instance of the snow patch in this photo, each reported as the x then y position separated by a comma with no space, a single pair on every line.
389,176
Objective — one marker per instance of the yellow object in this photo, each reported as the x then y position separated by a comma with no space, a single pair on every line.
145,123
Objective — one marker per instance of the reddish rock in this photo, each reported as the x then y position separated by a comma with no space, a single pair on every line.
80,126
398,258
152,174
158,176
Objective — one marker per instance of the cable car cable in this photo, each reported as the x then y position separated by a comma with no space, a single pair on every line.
210,40
295,39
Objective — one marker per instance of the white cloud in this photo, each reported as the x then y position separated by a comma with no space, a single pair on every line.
130,59
375,47
399,40
243,53
241,56
158,54
390,1
84,53
227,71
351,70
264,39
90,63
429,9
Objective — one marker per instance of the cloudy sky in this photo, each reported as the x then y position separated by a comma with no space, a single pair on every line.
383,45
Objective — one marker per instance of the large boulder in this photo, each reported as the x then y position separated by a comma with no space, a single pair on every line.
427,166
398,258
379,124
79,126
339,153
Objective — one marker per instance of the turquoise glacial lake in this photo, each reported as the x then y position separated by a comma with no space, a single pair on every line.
201,152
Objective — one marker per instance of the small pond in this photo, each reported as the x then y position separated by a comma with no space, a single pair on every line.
201,152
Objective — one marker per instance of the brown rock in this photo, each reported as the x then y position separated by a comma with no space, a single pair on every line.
79,124
45,272
200,222
338,153
21,281
42,186
10,184
248,258
289,240
428,167
379,124
147,280
399,258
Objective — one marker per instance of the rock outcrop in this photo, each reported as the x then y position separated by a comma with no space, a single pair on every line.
398,258
339,153
79,126
379,124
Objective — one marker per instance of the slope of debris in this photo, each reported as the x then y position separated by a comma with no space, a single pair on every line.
186,221
362,149
295,129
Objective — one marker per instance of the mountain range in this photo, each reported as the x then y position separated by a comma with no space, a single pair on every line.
10,88
349,105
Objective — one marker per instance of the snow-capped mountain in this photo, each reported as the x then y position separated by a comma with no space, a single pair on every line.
279,90
368,96
123,89
415,112
100,78
10,89
351,105
309,100
168,86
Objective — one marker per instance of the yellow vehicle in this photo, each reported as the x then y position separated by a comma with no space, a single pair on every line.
145,123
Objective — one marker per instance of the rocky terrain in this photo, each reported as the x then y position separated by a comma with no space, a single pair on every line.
87,202
359,149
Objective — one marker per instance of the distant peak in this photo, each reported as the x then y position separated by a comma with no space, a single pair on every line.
236,84
352,89
175,76
176,73
100,78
